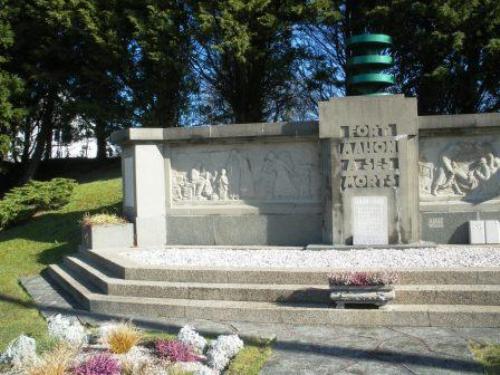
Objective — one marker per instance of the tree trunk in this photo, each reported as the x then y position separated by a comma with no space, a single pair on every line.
100,134
48,146
41,138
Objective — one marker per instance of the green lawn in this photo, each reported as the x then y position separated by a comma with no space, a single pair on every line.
27,249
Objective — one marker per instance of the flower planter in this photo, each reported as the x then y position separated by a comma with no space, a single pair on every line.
377,295
107,236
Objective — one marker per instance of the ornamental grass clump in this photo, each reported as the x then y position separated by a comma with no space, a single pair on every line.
176,351
101,219
56,362
360,279
122,337
101,364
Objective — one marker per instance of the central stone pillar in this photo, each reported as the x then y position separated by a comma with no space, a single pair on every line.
370,148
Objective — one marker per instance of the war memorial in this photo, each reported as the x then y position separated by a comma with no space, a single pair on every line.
370,174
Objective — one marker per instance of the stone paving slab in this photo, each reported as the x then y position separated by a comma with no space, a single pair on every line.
313,350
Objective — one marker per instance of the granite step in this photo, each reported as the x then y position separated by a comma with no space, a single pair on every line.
272,312
118,267
196,290
405,294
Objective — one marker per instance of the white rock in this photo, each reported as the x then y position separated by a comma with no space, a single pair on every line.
67,329
222,350
189,336
438,257
21,352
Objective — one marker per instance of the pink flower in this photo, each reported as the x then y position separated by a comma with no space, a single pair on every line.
176,351
356,278
101,364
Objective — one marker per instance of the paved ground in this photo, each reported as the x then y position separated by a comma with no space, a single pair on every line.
314,350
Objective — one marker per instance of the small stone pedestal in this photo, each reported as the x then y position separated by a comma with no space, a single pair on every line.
355,295
108,236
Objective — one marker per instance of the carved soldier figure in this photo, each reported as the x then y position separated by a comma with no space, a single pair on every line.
223,185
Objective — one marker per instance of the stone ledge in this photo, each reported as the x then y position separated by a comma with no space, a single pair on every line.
207,132
428,124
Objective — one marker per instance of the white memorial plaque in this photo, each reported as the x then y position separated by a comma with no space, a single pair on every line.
369,220
492,231
476,232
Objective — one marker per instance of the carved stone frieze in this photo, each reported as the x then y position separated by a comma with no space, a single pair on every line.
277,172
460,170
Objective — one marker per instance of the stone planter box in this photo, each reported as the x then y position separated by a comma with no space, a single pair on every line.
107,236
361,295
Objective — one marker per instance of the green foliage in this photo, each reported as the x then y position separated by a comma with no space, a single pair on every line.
446,51
488,355
246,55
249,361
27,249
23,202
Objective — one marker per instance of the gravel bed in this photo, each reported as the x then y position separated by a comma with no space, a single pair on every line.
438,257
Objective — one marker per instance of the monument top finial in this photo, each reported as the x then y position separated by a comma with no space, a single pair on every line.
366,64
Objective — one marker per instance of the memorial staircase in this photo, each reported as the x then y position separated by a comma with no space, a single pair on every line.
104,283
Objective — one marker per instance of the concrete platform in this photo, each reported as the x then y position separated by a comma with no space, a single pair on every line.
106,283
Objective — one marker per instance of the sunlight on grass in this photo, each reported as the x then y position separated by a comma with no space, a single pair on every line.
488,355
27,249
249,361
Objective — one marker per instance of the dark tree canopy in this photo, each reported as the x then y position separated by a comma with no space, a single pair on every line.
71,70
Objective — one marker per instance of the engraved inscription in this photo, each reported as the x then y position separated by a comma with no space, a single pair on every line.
369,156
436,222
369,220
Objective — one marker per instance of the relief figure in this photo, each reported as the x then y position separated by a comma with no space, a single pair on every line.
464,168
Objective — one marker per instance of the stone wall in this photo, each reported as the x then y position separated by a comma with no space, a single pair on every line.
369,172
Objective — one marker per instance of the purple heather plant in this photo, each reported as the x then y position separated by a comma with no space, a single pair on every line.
355,278
176,351
101,364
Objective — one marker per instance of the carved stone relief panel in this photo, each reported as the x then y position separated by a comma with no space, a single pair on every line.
272,172
460,168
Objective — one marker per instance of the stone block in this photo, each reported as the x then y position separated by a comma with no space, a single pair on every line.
446,227
492,231
477,232
108,236
151,231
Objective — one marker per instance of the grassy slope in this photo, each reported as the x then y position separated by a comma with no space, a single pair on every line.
29,248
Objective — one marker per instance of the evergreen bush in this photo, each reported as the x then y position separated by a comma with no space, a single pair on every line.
23,202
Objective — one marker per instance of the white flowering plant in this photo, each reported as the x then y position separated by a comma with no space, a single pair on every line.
222,350
189,336
67,329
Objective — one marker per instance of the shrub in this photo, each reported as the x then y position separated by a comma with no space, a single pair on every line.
354,278
67,329
56,362
23,202
223,350
176,351
102,219
101,364
122,337
190,337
